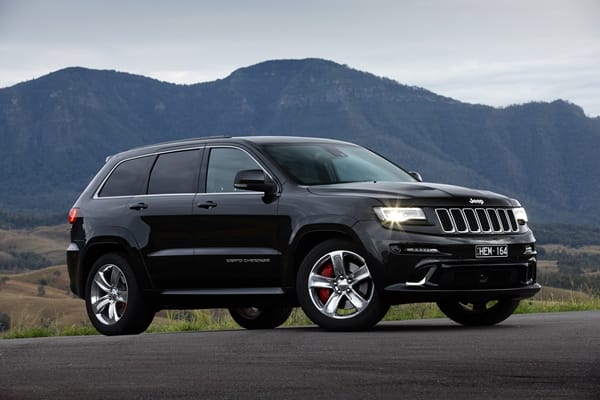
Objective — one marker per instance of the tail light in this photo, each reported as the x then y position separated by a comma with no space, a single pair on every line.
73,215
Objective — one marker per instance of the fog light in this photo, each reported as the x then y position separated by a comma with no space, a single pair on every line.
426,250
395,249
529,250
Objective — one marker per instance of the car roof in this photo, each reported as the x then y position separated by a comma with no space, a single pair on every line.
185,143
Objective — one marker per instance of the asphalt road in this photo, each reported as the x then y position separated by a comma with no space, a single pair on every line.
541,356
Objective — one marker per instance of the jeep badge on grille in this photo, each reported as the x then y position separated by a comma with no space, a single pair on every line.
476,201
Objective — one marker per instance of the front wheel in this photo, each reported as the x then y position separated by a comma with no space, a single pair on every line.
336,289
479,313
260,317
113,300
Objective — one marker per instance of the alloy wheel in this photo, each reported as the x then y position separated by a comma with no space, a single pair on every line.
340,284
109,294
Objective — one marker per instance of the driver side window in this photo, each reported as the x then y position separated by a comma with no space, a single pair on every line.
223,165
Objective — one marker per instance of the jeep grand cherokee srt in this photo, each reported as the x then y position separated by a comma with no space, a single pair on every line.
259,225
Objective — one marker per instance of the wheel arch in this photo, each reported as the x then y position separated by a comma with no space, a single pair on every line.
306,239
106,245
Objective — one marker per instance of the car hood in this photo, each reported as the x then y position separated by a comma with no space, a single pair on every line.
423,193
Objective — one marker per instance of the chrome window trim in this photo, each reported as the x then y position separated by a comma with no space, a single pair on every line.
158,153
155,153
249,192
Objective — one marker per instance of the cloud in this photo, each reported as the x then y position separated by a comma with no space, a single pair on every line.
571,76
484,52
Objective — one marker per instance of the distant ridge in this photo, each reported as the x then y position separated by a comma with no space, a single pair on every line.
56,131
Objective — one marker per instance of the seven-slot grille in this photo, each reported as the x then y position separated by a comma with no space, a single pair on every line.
477,220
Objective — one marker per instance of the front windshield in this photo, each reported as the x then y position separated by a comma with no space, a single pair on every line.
330,163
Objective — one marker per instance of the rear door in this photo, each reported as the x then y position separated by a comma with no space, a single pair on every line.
166,215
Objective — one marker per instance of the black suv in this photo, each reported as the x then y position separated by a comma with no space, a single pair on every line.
259,225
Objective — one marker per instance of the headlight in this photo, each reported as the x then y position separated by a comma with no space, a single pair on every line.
520,215
399,214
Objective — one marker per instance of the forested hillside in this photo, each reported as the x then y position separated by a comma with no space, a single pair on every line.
57,130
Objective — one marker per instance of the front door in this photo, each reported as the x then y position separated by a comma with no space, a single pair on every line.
238,229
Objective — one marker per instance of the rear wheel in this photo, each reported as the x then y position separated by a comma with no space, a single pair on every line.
114,301
260,317
336,289
479,313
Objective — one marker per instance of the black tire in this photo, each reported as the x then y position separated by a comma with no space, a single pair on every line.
260,317
339,296
479,314
114,302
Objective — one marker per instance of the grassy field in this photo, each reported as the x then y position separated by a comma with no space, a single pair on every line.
45,243
40,299
551,248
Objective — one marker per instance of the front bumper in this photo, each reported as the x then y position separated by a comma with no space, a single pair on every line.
418,267
401,293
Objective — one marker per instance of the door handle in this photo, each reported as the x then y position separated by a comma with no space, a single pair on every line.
207,205
138,206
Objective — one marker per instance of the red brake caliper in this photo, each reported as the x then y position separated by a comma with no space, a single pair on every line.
325,293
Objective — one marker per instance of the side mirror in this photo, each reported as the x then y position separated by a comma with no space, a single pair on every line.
416,175
254,179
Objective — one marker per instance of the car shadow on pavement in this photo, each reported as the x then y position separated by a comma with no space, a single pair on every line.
415,326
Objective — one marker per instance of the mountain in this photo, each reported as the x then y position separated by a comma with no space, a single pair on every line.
56,131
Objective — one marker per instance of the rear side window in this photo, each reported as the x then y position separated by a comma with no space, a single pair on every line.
129,178
175,173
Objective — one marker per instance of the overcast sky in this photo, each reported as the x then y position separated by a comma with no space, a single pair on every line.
490,52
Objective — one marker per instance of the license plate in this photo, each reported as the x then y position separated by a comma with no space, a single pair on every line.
494,250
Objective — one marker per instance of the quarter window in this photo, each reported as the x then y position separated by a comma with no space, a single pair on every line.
223,165
174,173
129,178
